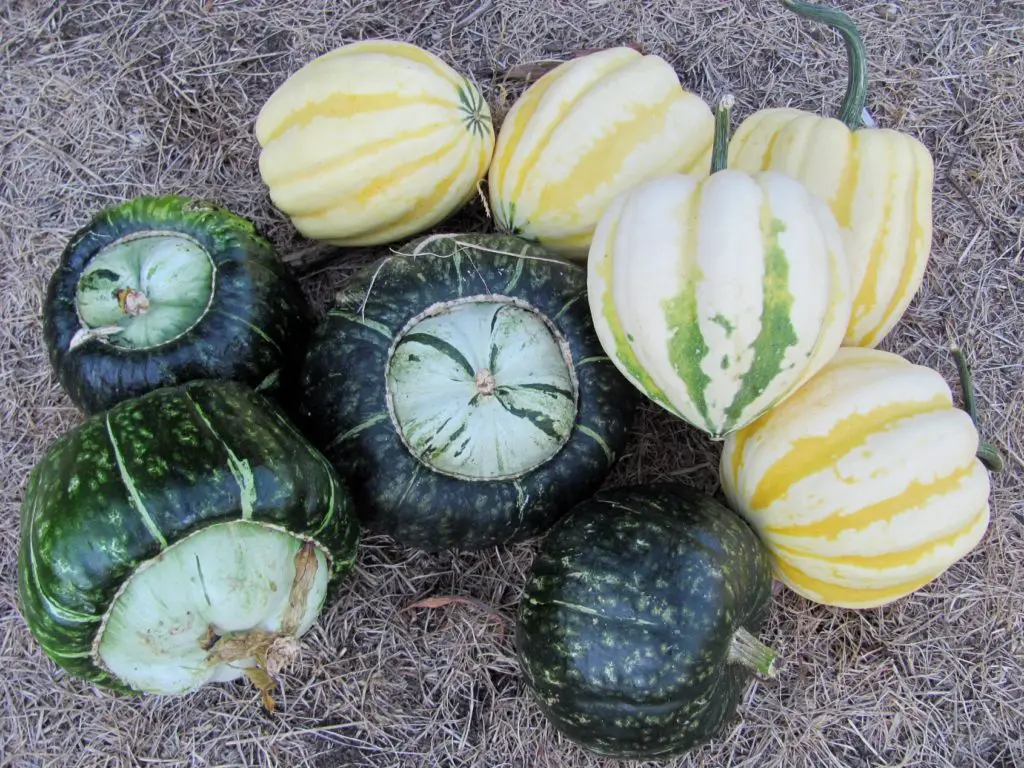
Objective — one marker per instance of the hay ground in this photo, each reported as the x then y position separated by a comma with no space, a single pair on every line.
106,100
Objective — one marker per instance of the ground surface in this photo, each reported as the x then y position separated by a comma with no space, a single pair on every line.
102,101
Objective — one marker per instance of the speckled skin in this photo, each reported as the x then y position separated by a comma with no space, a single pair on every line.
257,322
625,625
184,454
346,414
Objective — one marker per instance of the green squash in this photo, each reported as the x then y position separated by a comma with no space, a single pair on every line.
459,386
183,537
636,631
158,291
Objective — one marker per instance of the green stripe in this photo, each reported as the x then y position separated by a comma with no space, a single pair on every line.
359,320
594,359
777,333
438,450
412,481
239,468
492,358
133,492
541,421
516,274
622,342
569,303
608,452
521,498
441,346
551,389
258,331
331,499
373,420
685,345
587,610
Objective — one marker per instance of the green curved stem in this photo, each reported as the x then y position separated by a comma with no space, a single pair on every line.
851,113
720,151
748,650
986,451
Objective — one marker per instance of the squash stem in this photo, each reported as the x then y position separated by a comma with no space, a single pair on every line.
987,452
720,151
852,111
748,650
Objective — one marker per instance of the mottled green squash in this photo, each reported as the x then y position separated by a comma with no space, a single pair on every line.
636,631
183,537
459,386
158,291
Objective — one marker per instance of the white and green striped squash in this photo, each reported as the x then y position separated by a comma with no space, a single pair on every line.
373,142
584,132
718,297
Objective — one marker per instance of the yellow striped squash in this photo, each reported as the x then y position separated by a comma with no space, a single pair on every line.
373,142
864,485
584,132
878,183
717,297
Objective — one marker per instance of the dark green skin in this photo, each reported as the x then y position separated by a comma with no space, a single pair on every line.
80,529
662,576
256,326
343,387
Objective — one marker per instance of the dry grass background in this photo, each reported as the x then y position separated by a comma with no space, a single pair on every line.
105,100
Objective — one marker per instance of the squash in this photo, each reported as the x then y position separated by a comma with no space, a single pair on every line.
162,290
187,536
865,484
584,132
718,297
459,388
636,633
877,182
373,142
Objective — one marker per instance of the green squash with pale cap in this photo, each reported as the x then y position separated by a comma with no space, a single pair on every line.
187,536
460,388
158,291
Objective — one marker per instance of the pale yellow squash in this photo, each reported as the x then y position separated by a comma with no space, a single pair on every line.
373,142
878,183
864,485
586,131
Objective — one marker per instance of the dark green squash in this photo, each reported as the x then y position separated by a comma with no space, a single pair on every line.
459,386
158,291
636,631
173,539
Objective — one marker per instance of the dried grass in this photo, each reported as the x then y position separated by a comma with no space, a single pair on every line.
105,100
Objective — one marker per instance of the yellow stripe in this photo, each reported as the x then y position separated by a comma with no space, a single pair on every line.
511,133
380,183
604,158
347,157
342,105
578,240
833,594
847,357
417,217
897,559
867,296
911,258
399,49
810,455
913,496
842,203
